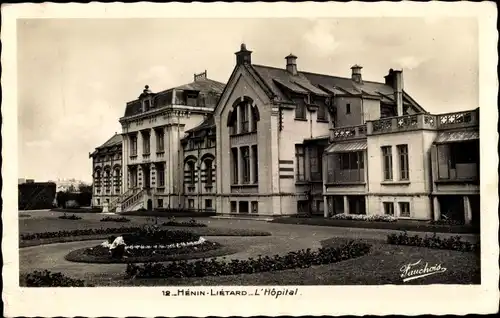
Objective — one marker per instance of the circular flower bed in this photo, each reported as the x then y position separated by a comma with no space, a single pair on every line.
148,245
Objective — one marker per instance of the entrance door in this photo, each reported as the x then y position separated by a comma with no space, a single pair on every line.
150,205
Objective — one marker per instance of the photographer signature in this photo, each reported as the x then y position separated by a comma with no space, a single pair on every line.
417,270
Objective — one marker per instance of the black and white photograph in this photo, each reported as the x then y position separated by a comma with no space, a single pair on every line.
213,159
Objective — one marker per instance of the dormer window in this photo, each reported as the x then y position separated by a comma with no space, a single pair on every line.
146,105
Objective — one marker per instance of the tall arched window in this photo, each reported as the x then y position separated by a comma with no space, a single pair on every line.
107,180
117,182
191,172
97,181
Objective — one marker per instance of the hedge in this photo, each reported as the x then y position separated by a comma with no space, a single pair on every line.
112,219
83,232
452,243
214,267
49,279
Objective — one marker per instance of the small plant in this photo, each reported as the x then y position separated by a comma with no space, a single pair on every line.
71,217
115,219
362,217
48,279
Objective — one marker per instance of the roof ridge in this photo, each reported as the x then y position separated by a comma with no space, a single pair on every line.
313,73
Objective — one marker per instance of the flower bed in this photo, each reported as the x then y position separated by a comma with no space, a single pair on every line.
214,267
101,254
191,223
49,279
362,217
71,217
146,237
117,219
446,222
83,232
452,243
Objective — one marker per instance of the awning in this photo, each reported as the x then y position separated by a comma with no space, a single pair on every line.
347,146
456,136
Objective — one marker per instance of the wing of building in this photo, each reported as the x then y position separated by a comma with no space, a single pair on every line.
281,141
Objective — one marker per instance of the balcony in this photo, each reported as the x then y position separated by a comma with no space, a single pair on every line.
347,133
422,121
343,176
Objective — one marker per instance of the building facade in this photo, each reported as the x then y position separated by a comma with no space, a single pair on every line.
107,163
281,141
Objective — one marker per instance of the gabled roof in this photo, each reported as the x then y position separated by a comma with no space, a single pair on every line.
117,139
279,80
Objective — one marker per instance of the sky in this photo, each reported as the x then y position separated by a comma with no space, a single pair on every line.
75,75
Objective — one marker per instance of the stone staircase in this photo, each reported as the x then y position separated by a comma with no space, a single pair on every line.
130,202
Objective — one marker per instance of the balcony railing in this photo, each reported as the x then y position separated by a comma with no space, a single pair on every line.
346,133
458,120
346,176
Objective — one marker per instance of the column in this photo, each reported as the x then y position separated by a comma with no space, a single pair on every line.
437,209
326,206
346,204
367,212
152,142
467,210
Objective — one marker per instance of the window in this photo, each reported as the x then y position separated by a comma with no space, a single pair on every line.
208,165
243,206
300,109
347,108
133,145
253,111
458,160
404,170
98,201
244,118
160,141
387,162
161,175
255,207
208,204
299,159
315,162
302,206
234,164
191,172
255,162
145,143
233,207
191,204
404,209
160,203
210,142
388,208
245,155
321,113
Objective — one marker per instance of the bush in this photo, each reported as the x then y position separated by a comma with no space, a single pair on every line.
112,219
84,232
71,204
191,223
71,217
49,279
164,237
446,222
452,243
214,267
362,217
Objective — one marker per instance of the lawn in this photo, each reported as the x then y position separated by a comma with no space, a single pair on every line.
403,225
381,266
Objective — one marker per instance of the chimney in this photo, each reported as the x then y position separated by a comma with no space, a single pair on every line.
243,56
356,74
291,64
200,77
395,80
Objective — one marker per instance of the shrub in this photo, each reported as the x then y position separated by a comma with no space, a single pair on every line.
452,243
214,267
83,232
72,204
71,217
147,236
446,222
112,219
362,217
49,279
191,223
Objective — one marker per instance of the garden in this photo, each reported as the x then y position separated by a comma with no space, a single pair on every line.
184,251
